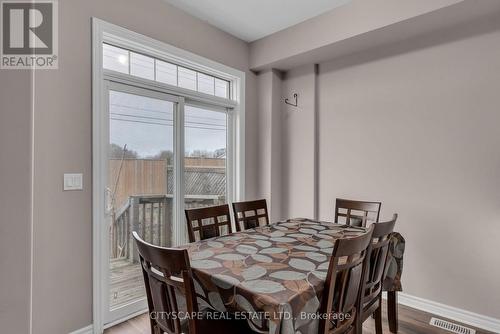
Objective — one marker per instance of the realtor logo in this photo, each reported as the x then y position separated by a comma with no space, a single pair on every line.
29,35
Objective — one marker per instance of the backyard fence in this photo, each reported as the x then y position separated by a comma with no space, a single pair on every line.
143,198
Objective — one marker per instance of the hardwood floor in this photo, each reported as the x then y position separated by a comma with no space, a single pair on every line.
411,321
137,325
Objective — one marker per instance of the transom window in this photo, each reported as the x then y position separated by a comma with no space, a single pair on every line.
146,67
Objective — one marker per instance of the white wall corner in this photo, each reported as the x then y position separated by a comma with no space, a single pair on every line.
450,312
85,330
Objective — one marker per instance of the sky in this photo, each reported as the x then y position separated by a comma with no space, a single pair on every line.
146,125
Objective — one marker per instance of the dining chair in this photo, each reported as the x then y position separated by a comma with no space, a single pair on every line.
250,214
166,270
208,222
356,213
339,304
371,293
171,294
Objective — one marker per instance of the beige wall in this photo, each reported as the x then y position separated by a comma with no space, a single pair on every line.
269,141
416,126
15,200
264,108
298,150
298,43
62,299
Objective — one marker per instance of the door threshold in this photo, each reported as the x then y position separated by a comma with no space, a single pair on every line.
130,316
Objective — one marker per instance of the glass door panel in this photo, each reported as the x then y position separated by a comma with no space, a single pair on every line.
205,171
139,188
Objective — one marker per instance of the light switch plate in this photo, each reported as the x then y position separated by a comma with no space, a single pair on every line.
73,181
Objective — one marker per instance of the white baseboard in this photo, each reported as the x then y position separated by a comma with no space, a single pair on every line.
85,330
450,312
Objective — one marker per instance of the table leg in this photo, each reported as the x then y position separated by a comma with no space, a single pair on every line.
392,310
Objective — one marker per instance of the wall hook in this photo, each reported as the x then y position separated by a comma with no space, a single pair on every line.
295,96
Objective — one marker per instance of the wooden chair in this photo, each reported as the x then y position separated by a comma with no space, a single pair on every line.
357,213
164,271
371,293
250,214
167,276
342,285
209,222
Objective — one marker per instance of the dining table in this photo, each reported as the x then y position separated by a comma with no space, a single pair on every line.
273,276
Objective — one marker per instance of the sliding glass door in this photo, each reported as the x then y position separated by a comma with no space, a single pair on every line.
159,149
140,188
168,130
205,156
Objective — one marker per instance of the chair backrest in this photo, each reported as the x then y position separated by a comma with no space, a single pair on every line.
250,214
207,222
342,284
376,264
164,271
356,213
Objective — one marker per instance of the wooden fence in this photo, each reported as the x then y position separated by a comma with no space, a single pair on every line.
143,199
152,176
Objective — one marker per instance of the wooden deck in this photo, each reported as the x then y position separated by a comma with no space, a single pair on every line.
126,283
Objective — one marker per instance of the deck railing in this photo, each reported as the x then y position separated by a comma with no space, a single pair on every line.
151,217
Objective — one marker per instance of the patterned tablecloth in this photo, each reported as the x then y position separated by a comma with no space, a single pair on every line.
273,274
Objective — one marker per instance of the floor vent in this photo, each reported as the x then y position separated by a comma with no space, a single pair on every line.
450,326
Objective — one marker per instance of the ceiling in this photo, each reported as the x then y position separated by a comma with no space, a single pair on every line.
250,20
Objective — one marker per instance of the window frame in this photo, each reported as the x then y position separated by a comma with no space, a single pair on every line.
104,32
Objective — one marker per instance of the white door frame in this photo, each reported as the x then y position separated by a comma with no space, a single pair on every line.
111,317
106,32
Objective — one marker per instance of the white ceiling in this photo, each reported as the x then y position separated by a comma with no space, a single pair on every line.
250,20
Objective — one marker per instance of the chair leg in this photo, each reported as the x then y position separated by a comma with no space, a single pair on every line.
392,311
378,319
358,327
358,324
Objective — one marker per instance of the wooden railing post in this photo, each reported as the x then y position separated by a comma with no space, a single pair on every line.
114,239
162,220
133,222
167,218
